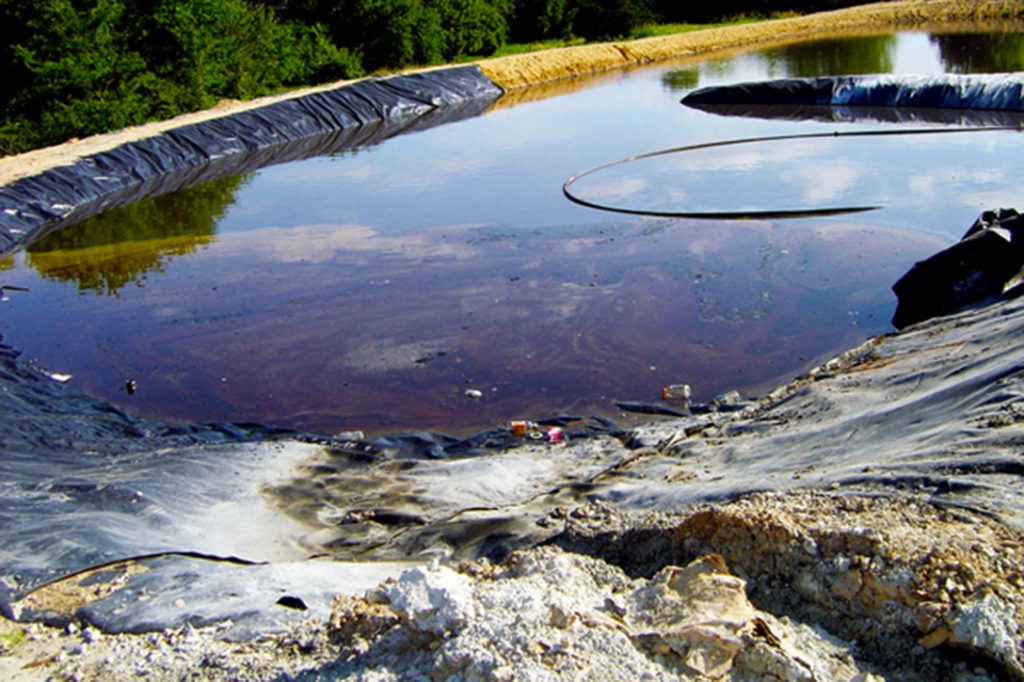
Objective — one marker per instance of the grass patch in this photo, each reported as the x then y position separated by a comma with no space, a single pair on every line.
11,640
520,48
523,48
651,30
645,31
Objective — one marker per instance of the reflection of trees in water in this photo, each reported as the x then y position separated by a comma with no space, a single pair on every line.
865,54
7,263
684,79
971,53
681,79
120,247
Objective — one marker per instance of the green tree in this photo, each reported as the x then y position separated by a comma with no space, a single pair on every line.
70,71
78,67
609,19
211,49
392,34
472,27
541,20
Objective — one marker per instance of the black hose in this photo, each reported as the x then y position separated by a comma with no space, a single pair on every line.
742,215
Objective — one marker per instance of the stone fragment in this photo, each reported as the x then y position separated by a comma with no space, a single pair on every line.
697,612
435,599
846,585
987,625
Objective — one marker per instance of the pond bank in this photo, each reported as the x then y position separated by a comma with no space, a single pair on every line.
518,71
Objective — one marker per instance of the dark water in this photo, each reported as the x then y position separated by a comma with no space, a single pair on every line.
371,289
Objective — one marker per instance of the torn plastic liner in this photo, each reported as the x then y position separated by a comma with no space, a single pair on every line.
314,124
986,263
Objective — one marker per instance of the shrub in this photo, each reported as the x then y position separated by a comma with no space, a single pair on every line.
70,72
533,20
75,68
605,20
472,27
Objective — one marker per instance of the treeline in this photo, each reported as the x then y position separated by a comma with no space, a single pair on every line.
77,67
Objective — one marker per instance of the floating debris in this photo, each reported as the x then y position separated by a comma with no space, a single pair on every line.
4,288
56,376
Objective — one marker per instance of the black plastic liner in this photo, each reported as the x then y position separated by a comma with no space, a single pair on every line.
995,92
83,483
358,114
961,118
986,264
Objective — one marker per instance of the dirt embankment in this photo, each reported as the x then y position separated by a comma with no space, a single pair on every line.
530,69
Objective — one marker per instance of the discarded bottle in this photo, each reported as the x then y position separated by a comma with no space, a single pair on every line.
728,398
520,428
677,393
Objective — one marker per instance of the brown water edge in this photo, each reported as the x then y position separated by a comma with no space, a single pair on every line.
380,333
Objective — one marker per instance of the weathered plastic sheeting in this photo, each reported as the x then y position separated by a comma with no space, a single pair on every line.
365,112
66,512
992,92
986,264
83,484
962,118
255,599
932,411
69,504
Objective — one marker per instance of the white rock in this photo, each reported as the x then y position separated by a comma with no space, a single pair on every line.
434,599
986,624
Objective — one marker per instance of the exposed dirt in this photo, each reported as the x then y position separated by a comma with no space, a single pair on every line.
910,583
518,71
804,586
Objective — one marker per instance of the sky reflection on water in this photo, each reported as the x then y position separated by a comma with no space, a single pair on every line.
368,290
